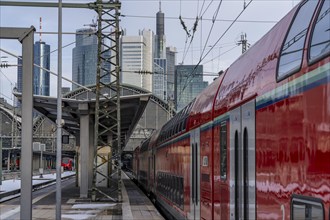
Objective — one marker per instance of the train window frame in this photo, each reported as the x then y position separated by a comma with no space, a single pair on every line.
286,74
182,193
224,176
306,201
320,56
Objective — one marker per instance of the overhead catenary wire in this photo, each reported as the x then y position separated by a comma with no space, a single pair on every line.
186,31
77,84
190,76
88,35
205,19
202,58
188,35
6,77
11,83
210,31
220,55
194,28
226,30
180,50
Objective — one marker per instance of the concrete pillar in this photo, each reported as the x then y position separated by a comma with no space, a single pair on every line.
27,123
91,153
8,161
77,160
84,149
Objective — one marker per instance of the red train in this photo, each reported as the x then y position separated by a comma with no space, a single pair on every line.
255,144
67,163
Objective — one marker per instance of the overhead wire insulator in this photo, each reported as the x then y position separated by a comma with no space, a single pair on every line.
4,65
184,26
194,29
195,25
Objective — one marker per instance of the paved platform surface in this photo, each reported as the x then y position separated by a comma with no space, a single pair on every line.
135,205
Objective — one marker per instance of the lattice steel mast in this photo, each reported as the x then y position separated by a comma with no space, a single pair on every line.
107,67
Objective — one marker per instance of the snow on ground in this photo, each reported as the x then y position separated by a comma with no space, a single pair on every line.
93,206
79,216
14,184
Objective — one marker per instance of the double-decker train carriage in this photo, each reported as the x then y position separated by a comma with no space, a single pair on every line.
255,144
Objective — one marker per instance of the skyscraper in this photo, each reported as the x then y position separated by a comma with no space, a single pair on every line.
84,58
136,55
159,82
171,60
188,84
41,78
160,49
159,79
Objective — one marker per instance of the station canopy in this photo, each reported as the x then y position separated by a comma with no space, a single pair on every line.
132,107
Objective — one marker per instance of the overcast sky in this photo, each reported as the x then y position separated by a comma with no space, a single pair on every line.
257,19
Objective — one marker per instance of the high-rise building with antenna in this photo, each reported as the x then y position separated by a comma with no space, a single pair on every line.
42,58
160,49
159,80
41,77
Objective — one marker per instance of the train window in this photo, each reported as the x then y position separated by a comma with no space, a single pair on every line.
167,185
163,183
184,123
320,43
178,190
177,128
174,188
223,151
292,49
181,193
159,180
306,208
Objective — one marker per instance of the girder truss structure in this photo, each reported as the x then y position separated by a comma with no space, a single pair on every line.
107,67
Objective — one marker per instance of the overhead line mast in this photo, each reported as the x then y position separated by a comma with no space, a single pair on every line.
108,43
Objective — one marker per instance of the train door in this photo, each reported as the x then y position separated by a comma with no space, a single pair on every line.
194,174
149,174
154,172
242,162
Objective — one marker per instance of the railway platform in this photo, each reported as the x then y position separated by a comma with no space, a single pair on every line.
135,205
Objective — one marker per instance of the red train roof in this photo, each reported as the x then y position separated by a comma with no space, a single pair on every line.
153,139
254,72
202,109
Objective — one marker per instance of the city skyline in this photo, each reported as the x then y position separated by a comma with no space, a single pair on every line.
253,23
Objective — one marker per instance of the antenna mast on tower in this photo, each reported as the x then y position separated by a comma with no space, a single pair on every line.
244,43
40,27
